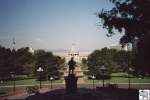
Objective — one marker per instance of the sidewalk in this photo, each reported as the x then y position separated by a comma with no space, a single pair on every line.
22,94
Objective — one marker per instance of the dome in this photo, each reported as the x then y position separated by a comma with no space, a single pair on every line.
31,50
73,50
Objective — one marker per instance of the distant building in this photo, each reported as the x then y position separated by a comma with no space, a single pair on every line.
31,50
73,52
78,56
118,47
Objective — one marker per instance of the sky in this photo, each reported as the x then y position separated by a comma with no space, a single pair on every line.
54,24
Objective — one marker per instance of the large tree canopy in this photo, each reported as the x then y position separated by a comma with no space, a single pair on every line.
132,18
52,65
23,62
113,60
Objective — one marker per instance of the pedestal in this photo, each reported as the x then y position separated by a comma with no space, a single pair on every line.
71,83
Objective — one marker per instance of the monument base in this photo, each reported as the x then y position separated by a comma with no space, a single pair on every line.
71,83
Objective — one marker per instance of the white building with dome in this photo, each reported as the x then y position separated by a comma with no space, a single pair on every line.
73,52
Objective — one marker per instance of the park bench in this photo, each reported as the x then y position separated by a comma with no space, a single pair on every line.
32,89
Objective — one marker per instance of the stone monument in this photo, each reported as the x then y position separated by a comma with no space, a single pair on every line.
78,72
71,79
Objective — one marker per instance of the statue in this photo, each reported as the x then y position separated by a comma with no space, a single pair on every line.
71,64
71,79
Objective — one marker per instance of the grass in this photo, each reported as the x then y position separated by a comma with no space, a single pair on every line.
116,78
28,82
125,80
121,74
122,78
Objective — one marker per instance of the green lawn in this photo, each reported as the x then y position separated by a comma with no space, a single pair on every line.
133,80
122,78
121,74
116,78
28,82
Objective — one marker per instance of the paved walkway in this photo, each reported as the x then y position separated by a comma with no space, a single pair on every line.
22,94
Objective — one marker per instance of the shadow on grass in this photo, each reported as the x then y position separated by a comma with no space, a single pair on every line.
88,94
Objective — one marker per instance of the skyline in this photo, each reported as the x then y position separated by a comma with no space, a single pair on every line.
54,24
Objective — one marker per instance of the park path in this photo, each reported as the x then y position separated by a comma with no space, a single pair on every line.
22,94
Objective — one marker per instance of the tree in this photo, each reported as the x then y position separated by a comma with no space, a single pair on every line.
17,61
84,63
24,61
98,58
132,18
122,59
55,68
52,65
113,60
5,61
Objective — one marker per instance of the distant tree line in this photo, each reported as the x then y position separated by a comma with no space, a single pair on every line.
114,61
23,62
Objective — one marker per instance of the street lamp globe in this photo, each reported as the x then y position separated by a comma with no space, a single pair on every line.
102,68
40,69
51,78
12,74
14,84
93,77
131,70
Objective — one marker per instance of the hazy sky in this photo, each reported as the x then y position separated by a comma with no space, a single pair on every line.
53,24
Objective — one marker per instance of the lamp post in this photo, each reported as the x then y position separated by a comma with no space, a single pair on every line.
129,70
129,78
14,81
51,79
103,68
129,58
93,78
40,70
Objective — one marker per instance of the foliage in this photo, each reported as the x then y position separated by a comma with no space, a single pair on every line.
84,61
113,60
15,61
5,59
132,18
96,60
23,62
51,64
